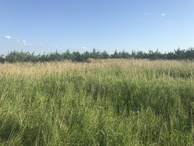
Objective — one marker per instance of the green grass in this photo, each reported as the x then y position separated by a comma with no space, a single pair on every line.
103,103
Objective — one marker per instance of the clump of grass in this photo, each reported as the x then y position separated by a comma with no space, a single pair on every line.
104,102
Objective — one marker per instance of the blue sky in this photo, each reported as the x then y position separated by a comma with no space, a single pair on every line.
80,25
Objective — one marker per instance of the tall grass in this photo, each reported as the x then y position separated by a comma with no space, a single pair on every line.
105,102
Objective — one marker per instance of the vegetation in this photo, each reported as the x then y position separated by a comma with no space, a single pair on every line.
112,102
83,57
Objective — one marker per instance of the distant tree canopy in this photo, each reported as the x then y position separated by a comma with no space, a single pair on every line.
16,56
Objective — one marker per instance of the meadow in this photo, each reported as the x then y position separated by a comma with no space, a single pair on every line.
112,102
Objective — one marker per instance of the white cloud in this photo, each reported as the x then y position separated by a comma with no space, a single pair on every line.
19,41
83,48
26,44
23,42
7,37
149,13
152,14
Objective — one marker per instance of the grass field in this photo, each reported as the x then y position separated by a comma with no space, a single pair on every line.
101,103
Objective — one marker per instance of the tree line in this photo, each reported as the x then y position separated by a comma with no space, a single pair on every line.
15,56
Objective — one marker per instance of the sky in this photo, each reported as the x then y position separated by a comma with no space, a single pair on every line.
44,26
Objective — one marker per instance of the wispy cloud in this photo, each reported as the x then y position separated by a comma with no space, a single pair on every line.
148,13
152,13
83,48
23,42
163,14
7,37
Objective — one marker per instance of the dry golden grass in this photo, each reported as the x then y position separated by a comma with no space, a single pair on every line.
135,66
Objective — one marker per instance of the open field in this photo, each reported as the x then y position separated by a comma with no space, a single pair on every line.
101,103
